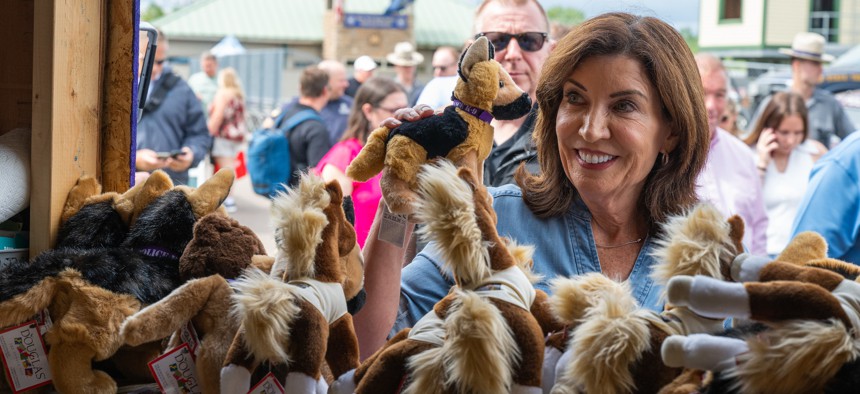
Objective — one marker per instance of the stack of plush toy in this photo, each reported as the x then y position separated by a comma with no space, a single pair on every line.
141,274
115,254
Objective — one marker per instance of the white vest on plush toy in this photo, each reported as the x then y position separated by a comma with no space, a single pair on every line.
510,285
327,297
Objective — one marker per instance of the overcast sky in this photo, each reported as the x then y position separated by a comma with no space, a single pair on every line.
679,13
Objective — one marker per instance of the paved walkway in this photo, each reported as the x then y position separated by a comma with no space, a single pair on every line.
253,211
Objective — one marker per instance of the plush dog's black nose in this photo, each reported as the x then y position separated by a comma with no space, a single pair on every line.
515,110
356,303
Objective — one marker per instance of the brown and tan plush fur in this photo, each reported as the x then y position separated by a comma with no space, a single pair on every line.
86,317
279,326
616,343
92,219
221,248
489,344
799,356
483,84
809,340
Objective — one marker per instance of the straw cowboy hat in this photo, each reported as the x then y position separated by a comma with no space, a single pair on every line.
809,46
405,55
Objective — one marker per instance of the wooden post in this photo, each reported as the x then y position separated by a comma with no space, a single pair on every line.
118,113
67,80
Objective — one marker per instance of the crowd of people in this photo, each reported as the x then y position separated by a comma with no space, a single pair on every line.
628,127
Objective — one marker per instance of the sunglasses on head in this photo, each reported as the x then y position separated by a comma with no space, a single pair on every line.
529,41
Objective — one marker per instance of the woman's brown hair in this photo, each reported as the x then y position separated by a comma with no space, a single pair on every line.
373,92
782,105
669,65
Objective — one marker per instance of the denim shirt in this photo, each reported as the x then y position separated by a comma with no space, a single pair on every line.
564,246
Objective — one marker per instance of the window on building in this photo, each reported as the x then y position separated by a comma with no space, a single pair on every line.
824,19
730,9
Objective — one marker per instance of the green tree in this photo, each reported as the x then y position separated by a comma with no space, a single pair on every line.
151,13
565,15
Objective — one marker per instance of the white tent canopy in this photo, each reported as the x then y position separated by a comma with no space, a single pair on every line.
229,45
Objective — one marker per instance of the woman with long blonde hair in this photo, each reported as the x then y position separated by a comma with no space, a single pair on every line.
227,122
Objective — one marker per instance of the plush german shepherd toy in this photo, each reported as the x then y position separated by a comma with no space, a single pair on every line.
92,219
89,292
462,133
296,318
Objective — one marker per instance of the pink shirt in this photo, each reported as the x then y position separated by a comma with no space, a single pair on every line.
730,181
365,195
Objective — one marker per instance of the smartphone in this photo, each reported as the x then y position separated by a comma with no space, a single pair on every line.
174,154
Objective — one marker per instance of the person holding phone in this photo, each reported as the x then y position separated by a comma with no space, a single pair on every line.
172,121
784,157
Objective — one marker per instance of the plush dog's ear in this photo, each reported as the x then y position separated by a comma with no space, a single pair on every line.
86,187
155,185
736,232
805,247
124,203
467,175
209,196
480,51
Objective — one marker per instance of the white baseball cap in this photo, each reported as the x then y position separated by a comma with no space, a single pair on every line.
364,63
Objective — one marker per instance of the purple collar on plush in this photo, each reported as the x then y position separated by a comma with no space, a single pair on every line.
156,251
474,111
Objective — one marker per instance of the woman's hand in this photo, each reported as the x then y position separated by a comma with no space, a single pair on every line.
419,112
764,147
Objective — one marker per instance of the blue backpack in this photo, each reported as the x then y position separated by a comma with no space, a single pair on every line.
268,158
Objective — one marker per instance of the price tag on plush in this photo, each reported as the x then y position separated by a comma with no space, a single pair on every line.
175,371
43,320
24,357
392,229
188,335
269,385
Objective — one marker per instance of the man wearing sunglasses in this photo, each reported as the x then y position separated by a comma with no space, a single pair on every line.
518,30
522,56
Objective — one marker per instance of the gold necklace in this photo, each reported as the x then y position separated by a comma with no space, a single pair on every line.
635,241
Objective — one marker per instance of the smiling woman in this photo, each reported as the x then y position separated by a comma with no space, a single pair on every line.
621,136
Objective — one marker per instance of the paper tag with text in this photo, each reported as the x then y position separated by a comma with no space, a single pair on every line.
175,372
43,320
189,335
24,357
269,385
392,229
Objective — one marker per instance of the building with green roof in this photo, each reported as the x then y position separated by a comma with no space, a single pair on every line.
298,25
